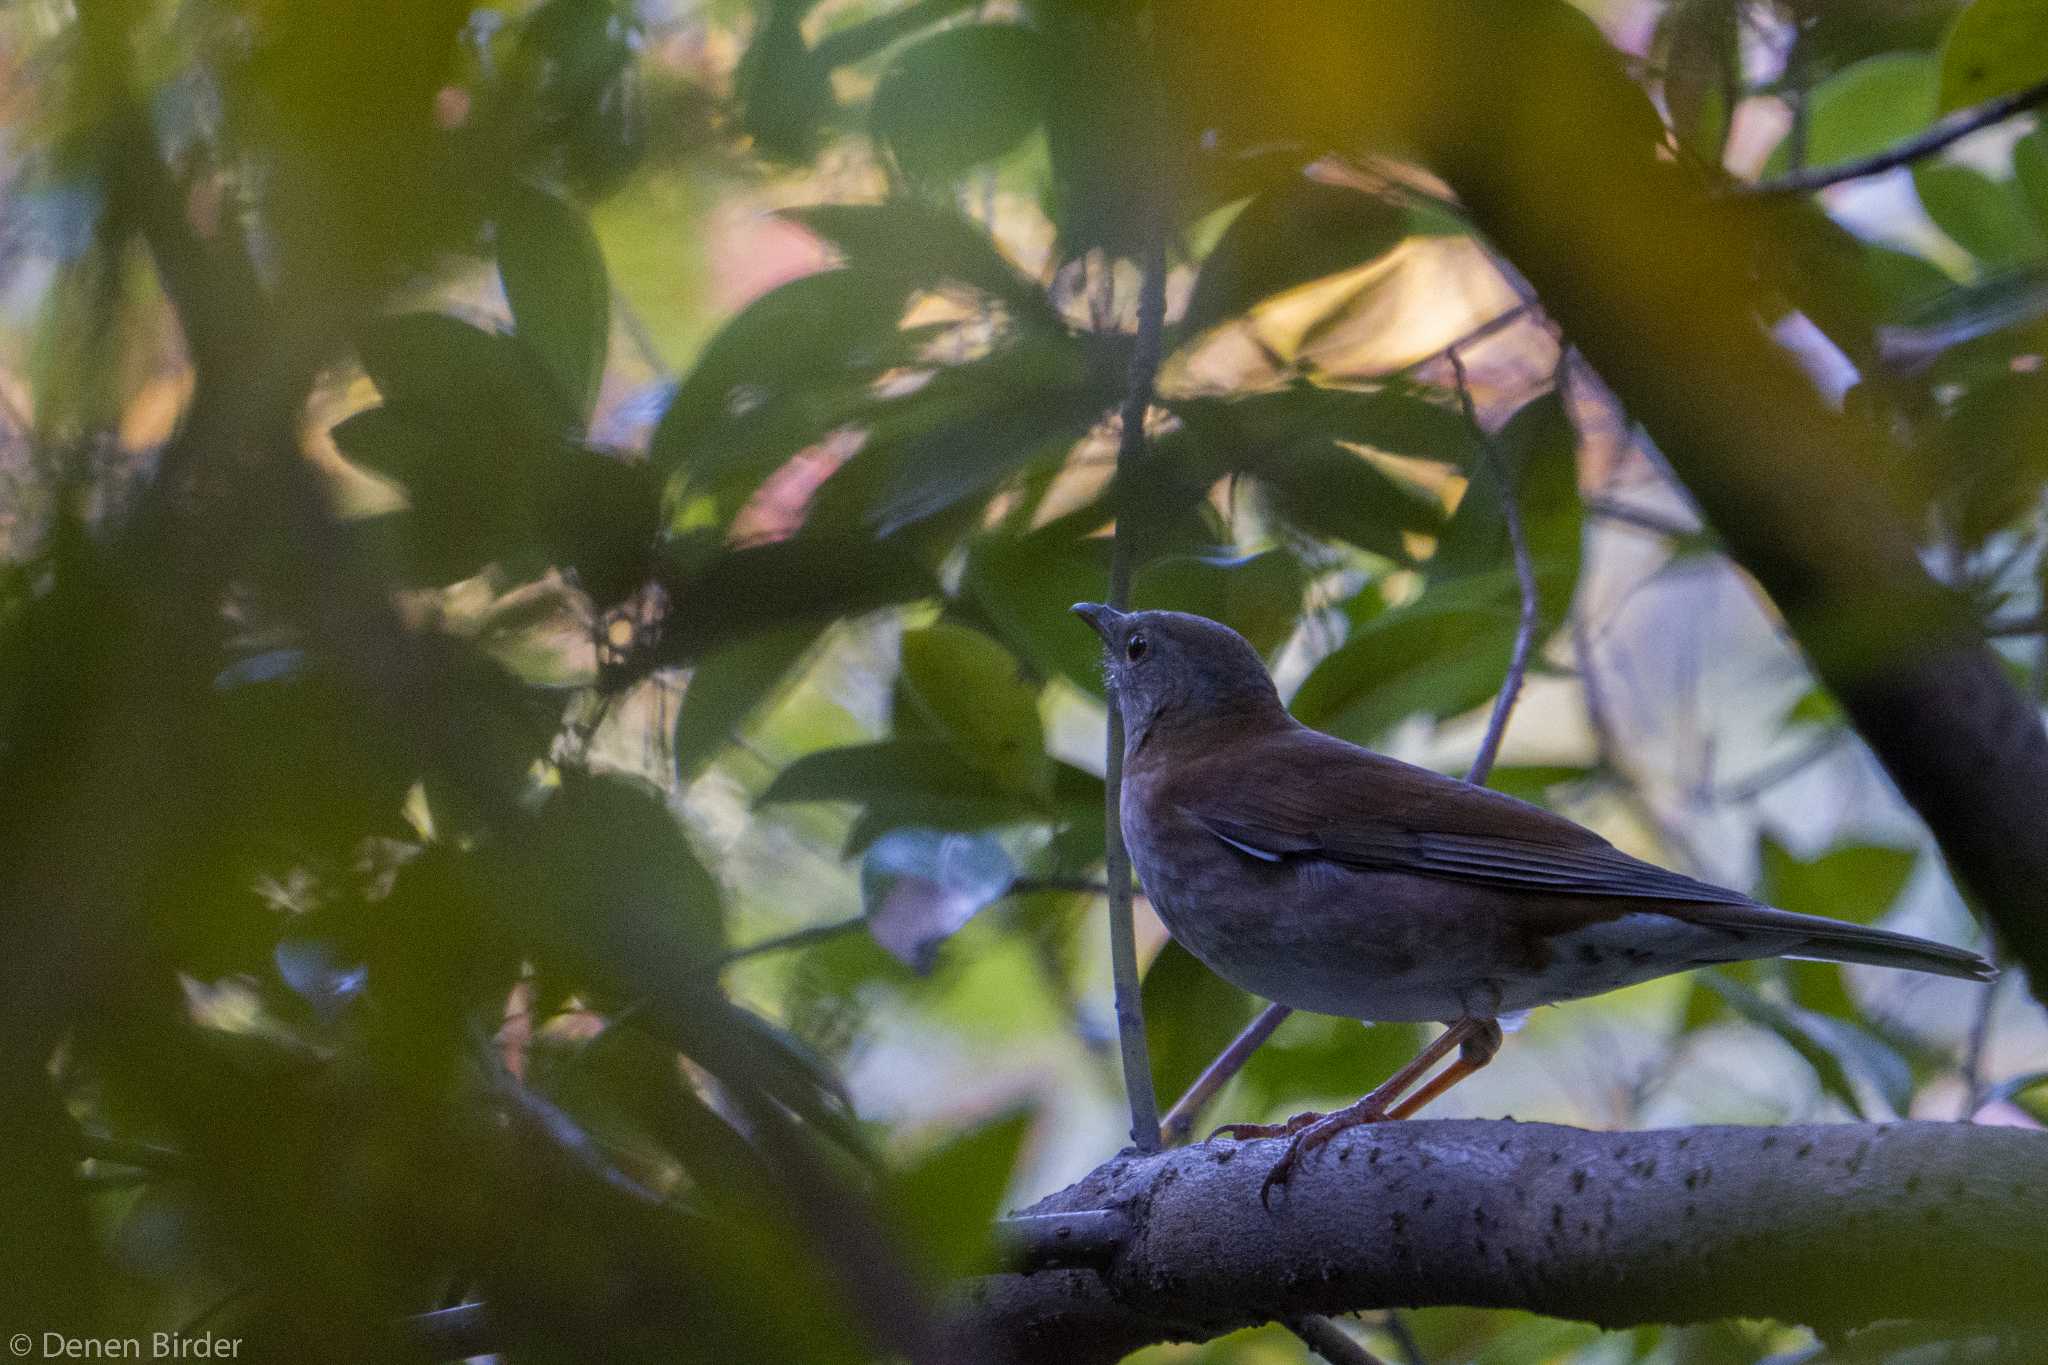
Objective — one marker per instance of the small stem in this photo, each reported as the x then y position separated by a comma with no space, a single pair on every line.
1181,1118
1979,1046
1945,131
1123,941
1525,581
795,938
1330,1341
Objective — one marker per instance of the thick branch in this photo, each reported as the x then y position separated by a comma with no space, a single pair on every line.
1803,1224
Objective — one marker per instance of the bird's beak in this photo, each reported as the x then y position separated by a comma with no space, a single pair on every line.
1103,618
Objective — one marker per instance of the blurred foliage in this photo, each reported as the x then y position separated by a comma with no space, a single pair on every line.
375,858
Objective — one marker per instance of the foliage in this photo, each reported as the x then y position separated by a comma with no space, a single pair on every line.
337,864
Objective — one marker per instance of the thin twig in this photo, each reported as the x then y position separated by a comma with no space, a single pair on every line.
1181,1118
1941,134
795,938
1642,518
1123,941
1769,776
2025,625
1330,1341
1979,1047
818,933
1525,582
1397,1328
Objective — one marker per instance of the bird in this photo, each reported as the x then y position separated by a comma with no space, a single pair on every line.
1327,877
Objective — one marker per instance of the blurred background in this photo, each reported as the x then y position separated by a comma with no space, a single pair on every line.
663,648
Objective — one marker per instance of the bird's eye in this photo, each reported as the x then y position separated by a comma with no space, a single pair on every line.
1135,649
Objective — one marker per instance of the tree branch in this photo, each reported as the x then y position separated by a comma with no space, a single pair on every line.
1943,132
1801,1223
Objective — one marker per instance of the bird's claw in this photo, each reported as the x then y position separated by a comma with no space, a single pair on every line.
1310,1137
1240,1132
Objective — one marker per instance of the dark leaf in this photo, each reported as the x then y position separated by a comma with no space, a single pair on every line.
729,595
1288,237
902,783
555,280
908,246
462,378
1025,585
921,886
1259,596
793,366
961,97
785,91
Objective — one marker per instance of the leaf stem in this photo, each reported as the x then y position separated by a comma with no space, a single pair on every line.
1937,137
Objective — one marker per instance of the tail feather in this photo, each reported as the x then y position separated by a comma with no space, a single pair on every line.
1827,940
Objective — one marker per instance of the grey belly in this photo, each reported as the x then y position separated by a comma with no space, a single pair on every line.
1392,947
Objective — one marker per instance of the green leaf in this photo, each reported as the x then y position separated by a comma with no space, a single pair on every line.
1259,596
971,427
1290,439
729,686
973,694
794,365
907,245
1338,494
1995,47
960,98
2030,170
1025,584
465,379
1866,108
902,783
1537,451
1316,1057
614,869
1700,42
1987,218
555,280
1852,1064
922,886
784,89
1440,655
1191,1014
946,1203
1854,882
727,595
1288,237
524,501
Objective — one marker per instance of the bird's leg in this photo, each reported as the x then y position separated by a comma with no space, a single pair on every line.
1374,1104
1477,1040
1476,1051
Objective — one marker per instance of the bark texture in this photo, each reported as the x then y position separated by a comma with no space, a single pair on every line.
1831,1225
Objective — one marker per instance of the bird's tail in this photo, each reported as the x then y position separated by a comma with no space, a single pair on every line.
1883,948
1833,940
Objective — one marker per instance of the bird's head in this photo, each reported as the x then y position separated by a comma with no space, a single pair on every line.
1169,670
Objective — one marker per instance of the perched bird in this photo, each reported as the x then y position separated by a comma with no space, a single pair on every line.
1326,877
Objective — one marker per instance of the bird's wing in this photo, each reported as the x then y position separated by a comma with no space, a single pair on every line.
1307,795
